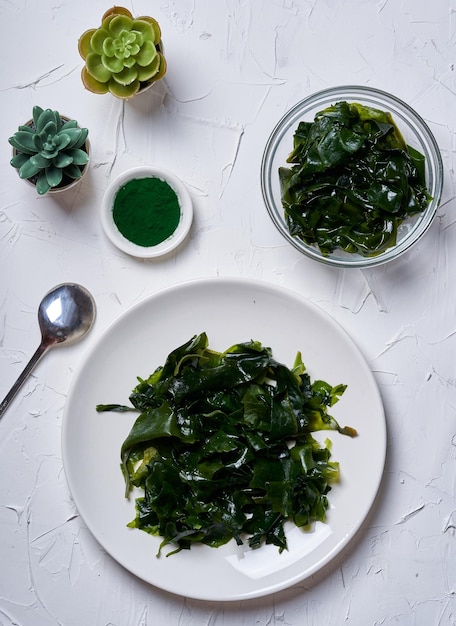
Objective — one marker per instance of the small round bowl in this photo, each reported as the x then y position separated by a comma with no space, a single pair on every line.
175,239
416,134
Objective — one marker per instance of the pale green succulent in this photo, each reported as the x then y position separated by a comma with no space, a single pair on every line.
123,55
49,151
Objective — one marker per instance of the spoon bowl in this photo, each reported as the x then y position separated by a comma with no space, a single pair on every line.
65,315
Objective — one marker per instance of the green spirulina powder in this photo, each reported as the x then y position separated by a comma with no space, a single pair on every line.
146,211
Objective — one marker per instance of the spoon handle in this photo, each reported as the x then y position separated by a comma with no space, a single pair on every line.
22,377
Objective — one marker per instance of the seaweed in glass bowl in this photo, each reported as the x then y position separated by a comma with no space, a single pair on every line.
352,176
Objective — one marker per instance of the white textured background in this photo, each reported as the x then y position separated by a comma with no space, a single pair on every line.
235,67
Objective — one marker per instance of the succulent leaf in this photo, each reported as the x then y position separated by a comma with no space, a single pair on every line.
44,119
128,38
27,169
126,76
38,141
97,69
69,124
50,129
147,54
24,142
116,11
92,84
82,139
112,65
62,141
140,38
123,91
155,27
54,175
73,171
119,23
106,21
97,40
19,159
62,160
78,156
144,27
36,113
145,73
74,138
42,185
132,50
129,62
162,69
39,161
85,43
108,47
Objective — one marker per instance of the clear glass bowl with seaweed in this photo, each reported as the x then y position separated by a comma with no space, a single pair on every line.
352,176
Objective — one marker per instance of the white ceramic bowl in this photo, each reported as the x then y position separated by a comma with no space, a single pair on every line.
179,234
415,132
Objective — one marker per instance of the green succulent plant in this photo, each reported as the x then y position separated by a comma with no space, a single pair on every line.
49,151
122,55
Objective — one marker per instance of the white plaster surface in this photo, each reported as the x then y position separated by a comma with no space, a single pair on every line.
235,67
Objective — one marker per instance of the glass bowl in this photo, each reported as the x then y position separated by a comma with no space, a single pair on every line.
416,134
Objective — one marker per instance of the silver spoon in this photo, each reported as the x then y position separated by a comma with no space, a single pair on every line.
65,315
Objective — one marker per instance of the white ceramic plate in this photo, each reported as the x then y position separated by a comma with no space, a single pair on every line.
229,311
